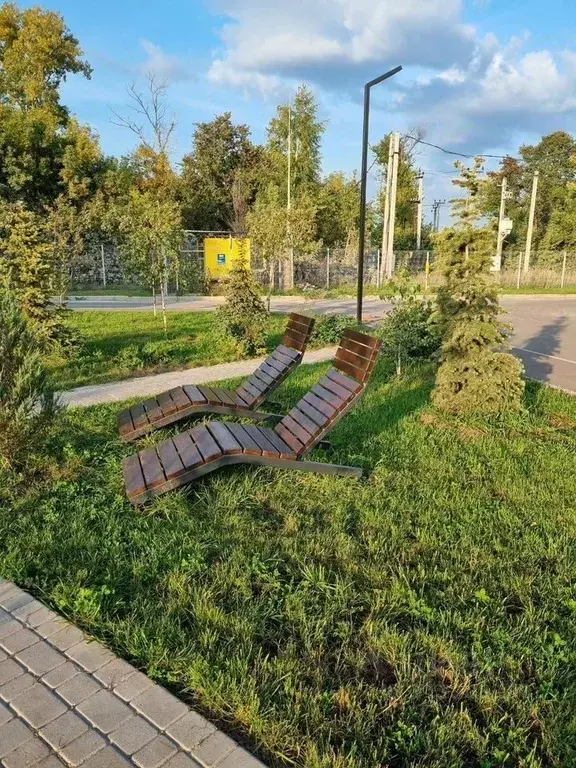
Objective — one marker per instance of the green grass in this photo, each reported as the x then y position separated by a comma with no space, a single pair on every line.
118,345
423,617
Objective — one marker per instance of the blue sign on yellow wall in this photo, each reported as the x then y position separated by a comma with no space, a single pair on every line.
221,253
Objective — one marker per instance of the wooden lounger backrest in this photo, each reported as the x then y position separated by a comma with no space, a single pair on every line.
272,372
328,401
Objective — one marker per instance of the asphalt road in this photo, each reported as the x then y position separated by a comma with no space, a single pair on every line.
544,327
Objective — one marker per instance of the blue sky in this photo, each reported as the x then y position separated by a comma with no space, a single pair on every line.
480,75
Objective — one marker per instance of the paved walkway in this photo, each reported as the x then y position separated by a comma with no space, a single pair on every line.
146,386
67,701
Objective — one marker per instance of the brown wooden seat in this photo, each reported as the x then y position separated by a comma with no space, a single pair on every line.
182,402
204,448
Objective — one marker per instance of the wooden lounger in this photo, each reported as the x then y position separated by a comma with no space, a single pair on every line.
184,401
204,448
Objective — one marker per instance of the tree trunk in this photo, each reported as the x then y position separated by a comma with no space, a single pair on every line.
270,281
154,298
164,319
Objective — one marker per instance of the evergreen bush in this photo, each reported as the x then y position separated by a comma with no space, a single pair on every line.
243,316
27,403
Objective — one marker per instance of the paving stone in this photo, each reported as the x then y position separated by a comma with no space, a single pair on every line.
9,670
14,598
78,688
41,616
4,616
190,730
60,675
133,686
105,711
13,735
90,655
133,735
25,611
27,755
15,687
214,749
159,706
17,641
5,714
49,628
107,758
112,674
40,658
3,656
63,730
66,637
155,753
38,706
9,627
50,762
82,748
182,761
239,758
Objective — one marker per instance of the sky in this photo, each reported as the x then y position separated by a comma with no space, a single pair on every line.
480,76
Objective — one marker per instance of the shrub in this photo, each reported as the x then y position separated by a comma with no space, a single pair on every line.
328,329
407,332
27,403
243,316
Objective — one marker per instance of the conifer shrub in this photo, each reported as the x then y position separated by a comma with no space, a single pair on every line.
27,402
243,317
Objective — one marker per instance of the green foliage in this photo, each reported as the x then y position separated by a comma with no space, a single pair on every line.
407,331
339,211
474,377
421,619
27,404
243,316
328,329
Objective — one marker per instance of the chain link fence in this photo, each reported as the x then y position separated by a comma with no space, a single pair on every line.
100,269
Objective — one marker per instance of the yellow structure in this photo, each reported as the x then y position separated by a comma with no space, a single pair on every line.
221,253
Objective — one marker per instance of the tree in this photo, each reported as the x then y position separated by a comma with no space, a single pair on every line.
339,211
267,229
474,376
220,176
150,230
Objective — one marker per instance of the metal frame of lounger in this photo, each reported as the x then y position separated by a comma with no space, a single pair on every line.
207,447
185,401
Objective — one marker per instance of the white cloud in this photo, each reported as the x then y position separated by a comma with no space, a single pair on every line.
168,67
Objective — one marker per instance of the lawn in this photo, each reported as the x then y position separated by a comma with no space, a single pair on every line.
118,345
422,617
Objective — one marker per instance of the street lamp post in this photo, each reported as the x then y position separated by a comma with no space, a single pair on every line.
364,174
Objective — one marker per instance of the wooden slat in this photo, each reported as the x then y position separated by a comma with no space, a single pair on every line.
167,404
264,377
194,394
224,437
247,396
303,421
288,437
359,349
255,388
225,396
187,450
301,322
241,403
277,365
205,443
299,432
330,397
153,410
139,416
249,445
321,405
318,418
125,423
344,381
269,370
351,370
133,477
328,383
295,340
180,398
170,459
284,450
290,352
266,448
363,338
351,357
210,395
151,467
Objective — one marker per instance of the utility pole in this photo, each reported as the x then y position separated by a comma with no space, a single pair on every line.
392,222
497,263
384,256
419,213
289,199
436,205
531,222
103,264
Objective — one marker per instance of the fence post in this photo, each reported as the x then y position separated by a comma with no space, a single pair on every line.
103,264
378,263
327,268
563,269
519,270
427,271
